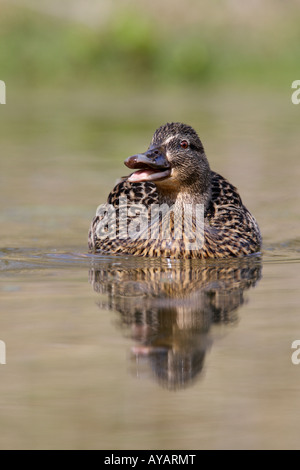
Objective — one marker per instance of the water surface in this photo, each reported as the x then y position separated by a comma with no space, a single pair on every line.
110,352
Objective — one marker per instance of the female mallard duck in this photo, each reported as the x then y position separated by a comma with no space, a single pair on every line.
174,173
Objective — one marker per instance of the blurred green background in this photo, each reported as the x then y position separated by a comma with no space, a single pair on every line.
88,82
140,43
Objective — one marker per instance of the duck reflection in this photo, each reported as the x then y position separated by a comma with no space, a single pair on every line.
168,308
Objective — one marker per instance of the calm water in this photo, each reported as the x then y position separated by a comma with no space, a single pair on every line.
121,353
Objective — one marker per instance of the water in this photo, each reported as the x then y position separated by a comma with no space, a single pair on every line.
110,352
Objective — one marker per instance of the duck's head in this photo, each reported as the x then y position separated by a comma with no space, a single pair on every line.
175,161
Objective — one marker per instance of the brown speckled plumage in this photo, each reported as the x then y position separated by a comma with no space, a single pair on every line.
229,228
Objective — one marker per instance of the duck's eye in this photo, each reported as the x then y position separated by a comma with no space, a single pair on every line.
184,144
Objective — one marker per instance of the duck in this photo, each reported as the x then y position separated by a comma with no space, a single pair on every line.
174,206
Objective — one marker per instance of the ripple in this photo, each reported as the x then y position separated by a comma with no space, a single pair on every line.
287,251
31,258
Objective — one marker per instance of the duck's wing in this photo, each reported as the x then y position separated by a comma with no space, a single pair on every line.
125,210
231,230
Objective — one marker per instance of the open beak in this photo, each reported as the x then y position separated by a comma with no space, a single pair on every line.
151,165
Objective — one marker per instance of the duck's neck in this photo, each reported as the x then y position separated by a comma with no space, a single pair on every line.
177,198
